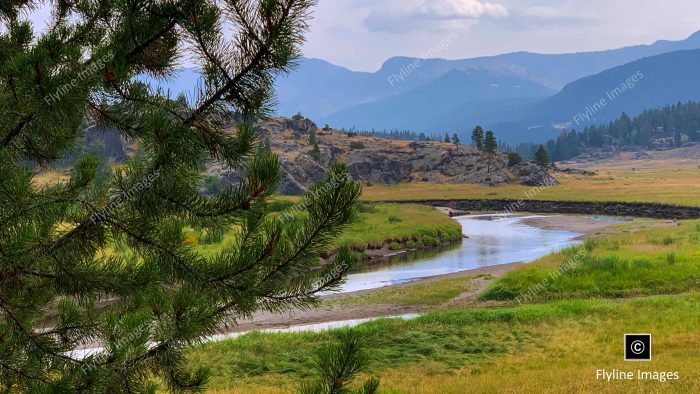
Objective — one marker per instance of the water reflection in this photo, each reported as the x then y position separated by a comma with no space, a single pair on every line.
493,240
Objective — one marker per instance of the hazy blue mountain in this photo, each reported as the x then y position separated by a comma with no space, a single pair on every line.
417,108
318,88
436,95
631,88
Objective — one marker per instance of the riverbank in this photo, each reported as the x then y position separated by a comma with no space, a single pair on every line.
467,336
459,288
576,207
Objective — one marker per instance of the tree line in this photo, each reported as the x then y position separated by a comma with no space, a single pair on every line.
667,127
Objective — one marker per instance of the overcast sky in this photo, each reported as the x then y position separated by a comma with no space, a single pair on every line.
361,34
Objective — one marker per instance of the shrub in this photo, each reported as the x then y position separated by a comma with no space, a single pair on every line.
514,158
410,244
356,145
394,246
668,240
420,244
430,241
590,244
315,152
191,240
393,219
671,258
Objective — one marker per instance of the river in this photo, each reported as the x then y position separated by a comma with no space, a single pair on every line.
494,239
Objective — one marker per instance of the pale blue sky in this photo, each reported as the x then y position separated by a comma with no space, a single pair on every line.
361,34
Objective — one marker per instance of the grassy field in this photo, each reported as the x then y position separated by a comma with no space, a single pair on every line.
651,261
375,224
420,293
554,347
672,186
378,222
553,342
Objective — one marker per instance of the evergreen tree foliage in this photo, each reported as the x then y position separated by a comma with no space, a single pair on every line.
514,159
541,156
313,139
455,140
478,137
315,152
666,127
338,364
400,135
447,138
490,143
87,65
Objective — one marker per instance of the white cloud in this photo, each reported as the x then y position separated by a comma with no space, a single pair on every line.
461,9
431,14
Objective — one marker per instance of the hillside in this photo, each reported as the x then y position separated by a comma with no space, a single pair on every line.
631,88
670,126
524,115
375,160
371,160
424,107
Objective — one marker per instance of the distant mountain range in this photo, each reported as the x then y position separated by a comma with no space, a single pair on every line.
631,88
523,96
424,107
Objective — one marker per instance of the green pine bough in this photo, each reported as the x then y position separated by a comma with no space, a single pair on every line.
84,70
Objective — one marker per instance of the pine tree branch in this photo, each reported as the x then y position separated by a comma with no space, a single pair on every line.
251,66
31,337
147,242
17,129
138,49
22,373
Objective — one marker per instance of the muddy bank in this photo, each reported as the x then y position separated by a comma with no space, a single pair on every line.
333,310
646,210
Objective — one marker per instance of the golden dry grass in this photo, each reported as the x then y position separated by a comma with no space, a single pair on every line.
563,360
663,185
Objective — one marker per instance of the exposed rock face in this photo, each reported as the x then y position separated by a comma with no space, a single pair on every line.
301,126
377,160
369,159
289,186
531,174
112,145
378,168
575,171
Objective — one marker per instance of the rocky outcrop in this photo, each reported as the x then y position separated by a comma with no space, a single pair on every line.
378,168
376,160
289,186
531,174
369,159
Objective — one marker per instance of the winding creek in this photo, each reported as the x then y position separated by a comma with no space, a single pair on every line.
494,239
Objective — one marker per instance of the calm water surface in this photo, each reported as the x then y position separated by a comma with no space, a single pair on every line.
493,240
